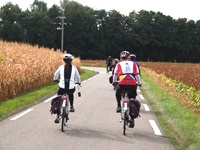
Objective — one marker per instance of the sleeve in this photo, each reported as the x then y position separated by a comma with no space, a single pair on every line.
56,74
77,75
135,69
115,75
138,79
137,73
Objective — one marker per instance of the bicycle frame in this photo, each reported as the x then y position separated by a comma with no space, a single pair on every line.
125,111
65,101
64,110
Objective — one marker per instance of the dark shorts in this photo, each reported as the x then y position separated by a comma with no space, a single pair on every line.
131,88
62,91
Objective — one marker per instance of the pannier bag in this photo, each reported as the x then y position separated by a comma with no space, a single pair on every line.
111,79
55,105
134,108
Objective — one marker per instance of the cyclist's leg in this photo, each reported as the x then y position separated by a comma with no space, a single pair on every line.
118,98
107,66
132,94
70,92
60,91
111,67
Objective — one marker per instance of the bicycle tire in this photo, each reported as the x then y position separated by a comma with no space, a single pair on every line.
125,123
63,120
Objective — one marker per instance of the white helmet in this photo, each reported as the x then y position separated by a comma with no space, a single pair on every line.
67,58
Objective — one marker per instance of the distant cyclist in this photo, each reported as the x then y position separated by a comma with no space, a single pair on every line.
114,65
67,73
133,58
109,64
126,73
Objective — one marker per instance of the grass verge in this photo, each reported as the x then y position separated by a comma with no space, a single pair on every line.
180,125
19,103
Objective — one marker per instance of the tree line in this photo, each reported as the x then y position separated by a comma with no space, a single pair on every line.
97,34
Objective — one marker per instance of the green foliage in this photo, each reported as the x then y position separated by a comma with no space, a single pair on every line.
95,34
179,124
189,92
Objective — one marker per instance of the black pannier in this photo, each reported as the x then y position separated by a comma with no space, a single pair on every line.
55,105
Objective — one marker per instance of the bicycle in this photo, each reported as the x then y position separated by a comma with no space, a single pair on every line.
64,109
125,110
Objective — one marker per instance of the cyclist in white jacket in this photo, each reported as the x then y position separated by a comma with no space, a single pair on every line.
66,74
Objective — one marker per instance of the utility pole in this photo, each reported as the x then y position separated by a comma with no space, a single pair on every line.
62,28
62,33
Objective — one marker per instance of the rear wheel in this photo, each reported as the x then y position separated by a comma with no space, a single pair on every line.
125,121
63,120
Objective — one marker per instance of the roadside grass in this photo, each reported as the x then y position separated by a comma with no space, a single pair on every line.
180,125
23,101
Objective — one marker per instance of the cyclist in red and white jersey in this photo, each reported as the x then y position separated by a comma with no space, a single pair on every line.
126,74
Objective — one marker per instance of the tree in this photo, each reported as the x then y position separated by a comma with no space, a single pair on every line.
39,6
10,27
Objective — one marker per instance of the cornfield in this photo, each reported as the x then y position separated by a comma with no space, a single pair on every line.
181,80
93,63
24,67
187,73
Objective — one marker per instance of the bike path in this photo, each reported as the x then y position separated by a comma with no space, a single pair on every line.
94,126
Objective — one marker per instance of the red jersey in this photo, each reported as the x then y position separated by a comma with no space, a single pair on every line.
126,71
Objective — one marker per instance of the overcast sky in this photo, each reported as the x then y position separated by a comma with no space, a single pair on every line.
189,9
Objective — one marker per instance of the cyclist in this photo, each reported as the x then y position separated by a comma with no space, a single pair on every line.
133,58
109,64
128,77
67,73
114,65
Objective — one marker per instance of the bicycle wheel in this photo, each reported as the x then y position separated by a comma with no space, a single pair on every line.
63,119
125,122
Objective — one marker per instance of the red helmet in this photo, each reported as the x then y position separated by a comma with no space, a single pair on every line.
124,55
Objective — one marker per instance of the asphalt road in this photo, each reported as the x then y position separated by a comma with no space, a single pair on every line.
93,126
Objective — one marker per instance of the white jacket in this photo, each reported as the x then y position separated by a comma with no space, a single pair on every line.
74,74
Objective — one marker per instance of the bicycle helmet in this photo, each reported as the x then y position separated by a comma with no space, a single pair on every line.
67,58
116,60
124,55
132,56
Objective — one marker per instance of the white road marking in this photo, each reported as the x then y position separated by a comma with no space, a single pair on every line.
141,96
22,114
155,127
49,99
146,107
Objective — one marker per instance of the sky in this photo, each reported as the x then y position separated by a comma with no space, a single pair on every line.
175,8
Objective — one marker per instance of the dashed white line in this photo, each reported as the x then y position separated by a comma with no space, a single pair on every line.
155,127
49,99
146,107
141,96
22,114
